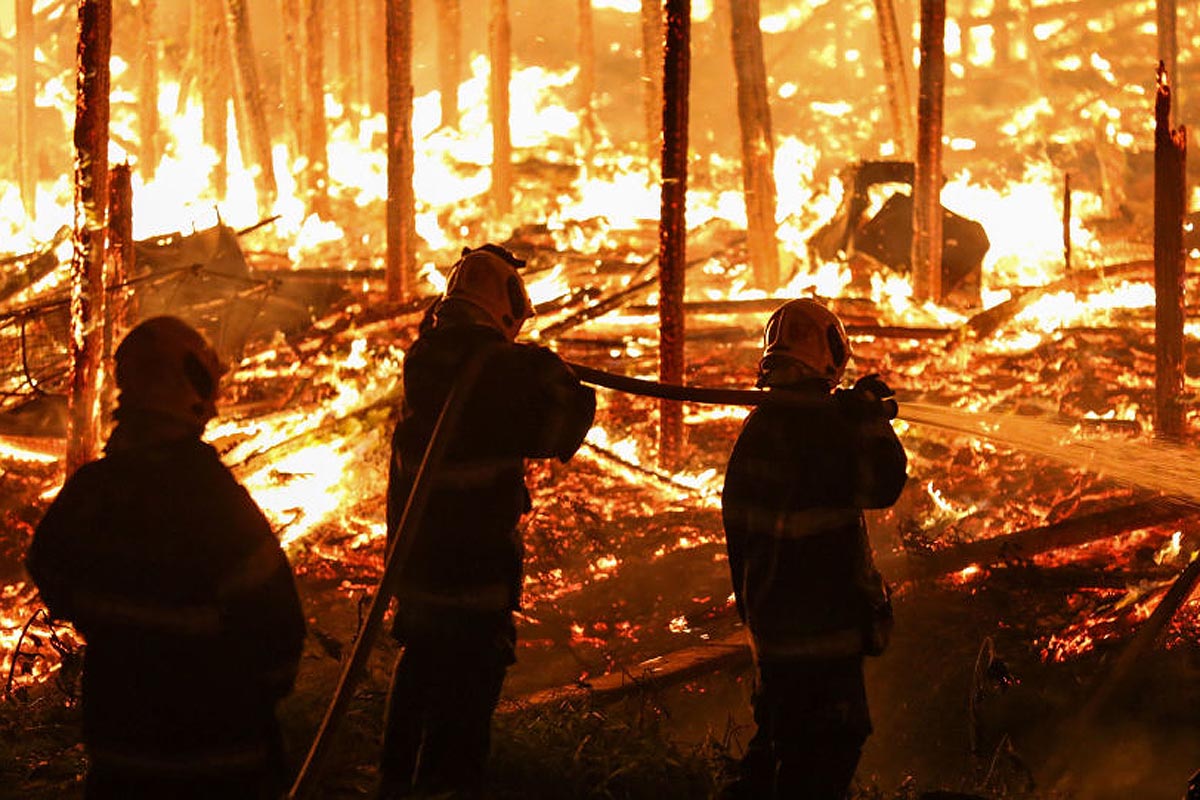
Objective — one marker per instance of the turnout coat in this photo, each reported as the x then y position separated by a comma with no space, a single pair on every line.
164,563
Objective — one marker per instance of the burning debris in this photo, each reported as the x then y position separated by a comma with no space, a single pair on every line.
1028,381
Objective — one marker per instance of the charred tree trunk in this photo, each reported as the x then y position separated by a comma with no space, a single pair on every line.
895,76
652,76
586,45
245,69
449,17
401,204
500,34
316,137
209,19
1167,16
1066,230
927,183
91,202
1170,206
374,54
291,87
121,264
673,226
148,91
27,156
347,30
758,145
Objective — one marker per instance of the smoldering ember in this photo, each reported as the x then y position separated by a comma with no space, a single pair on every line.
993,196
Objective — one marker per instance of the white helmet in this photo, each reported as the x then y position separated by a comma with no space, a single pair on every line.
487,278
806,337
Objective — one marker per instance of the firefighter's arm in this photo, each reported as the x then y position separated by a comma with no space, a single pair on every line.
54,560
260,605
880,465
565,408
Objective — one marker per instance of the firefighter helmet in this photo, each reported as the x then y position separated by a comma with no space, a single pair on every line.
487,278
806,337
165,365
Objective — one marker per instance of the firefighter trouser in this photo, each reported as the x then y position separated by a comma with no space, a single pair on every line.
438,728
811,722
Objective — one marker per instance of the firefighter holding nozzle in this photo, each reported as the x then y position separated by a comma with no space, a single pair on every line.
164,563
460,580
803,573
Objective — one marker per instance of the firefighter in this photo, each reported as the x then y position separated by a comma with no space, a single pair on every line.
803,574
173,576
461,581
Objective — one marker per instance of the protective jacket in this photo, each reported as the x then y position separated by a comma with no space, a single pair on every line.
164,563
466,558
803,574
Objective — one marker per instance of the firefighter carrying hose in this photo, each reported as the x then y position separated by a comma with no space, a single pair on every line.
803,574
461,581
164,563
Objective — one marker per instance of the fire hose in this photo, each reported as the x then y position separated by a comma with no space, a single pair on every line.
414,509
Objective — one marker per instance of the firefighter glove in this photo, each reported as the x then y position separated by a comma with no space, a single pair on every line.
871,397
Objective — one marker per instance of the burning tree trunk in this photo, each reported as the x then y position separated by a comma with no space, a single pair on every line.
895,75
758,146
401,215
672,225
927,183
210,28
374,54
498,106
586,45
290,86
449,18
316,141
652,74
245,70
91,201
347,40
1066,229
121,264
1167,14
26,92
148,91
1170,205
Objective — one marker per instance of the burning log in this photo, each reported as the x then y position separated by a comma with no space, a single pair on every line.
449,55
401,202
27,156
673,227
316,147
500,39
927,181
91,202
758,146
37,266
1170,264
245,70
1024,544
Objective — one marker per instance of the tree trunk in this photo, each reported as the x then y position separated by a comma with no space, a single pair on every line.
672,225
27,150
91,201
498,104
148,123
1170,206
214,93
401,204
121,264
586,45
450,74
927,183
245,69
652,76
316,137
347,41
758,145
291,85
895,75
1167,17
374,54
